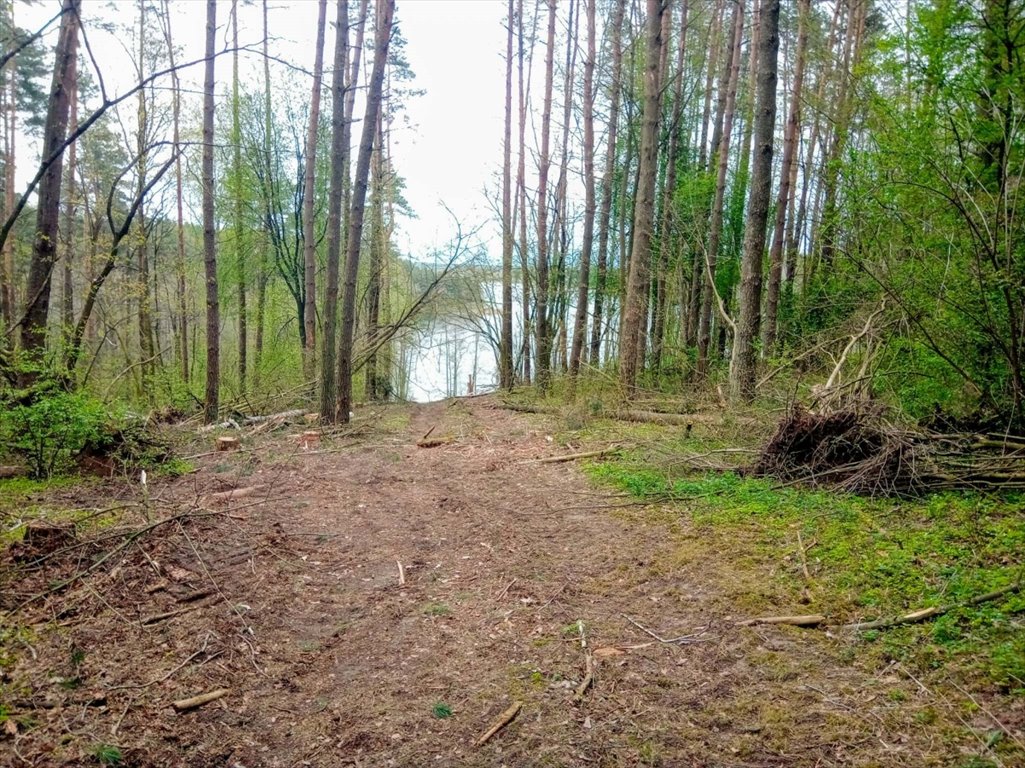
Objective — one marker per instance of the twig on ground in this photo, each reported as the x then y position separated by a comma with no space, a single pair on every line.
503,720
402,573
938,610
808,620
574,456
578,695
693,637
184,705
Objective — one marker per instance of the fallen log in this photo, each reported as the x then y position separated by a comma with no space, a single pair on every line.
574,456
223,497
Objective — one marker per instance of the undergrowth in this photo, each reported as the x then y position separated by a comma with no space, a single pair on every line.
868,558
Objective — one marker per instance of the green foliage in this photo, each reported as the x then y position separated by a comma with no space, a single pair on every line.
108,754
872,558
50,429
441,710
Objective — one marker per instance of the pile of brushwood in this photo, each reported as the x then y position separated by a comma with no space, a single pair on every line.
858,449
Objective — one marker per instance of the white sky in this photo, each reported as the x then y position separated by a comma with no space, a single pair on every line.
452,148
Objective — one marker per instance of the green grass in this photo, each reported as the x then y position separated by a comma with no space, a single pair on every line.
108,754
870,558
441,710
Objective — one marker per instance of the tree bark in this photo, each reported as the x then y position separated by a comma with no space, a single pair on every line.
544,337
309,239
580,320
236,192
44,244
631,345
339,162
505,354
721,156
213,319
785,195
742,373
608,180
385,12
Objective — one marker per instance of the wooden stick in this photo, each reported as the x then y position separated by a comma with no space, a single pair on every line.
804,560
574,456
230,495
810,620
156,618
503,720
402,573
184,705
578,695
928,613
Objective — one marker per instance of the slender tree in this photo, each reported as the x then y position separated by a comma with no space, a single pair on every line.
309,198
580,320
631,345
505,354
742,371
213,319
542,330
385,12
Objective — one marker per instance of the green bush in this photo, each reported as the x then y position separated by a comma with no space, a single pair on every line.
50,429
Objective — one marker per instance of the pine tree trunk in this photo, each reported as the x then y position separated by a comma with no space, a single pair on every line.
580,320
543,334
309,238
505,352
70,212
721,156
7,299
785,195
523,84
385,11
44,244
336,190
742,372
237,224
213,320
631,344
608,180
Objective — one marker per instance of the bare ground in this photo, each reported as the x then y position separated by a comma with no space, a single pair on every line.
328,660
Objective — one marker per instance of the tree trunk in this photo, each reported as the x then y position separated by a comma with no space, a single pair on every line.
742,373
339,163
722,160
7,299
309,238
505,353
182,307
213,320
378,246
385,11
146,345
632,345
236,192
44,244
523,84
262,277
580,320
785,195
70,212
543,333
608,180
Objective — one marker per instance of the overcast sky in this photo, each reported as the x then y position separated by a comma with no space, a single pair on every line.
451,148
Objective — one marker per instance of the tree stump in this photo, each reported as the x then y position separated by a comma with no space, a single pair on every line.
309,439
227,444
43,537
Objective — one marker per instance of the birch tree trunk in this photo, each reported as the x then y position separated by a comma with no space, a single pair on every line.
309,238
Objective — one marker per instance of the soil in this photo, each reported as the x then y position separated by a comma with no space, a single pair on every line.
375,603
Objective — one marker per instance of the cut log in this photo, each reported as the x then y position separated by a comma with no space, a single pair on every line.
9,471
228,444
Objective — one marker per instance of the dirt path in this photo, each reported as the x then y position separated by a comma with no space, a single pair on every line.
329,660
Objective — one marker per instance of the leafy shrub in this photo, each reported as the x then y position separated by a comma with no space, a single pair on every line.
50,429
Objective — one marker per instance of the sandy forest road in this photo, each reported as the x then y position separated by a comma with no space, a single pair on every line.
330,661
